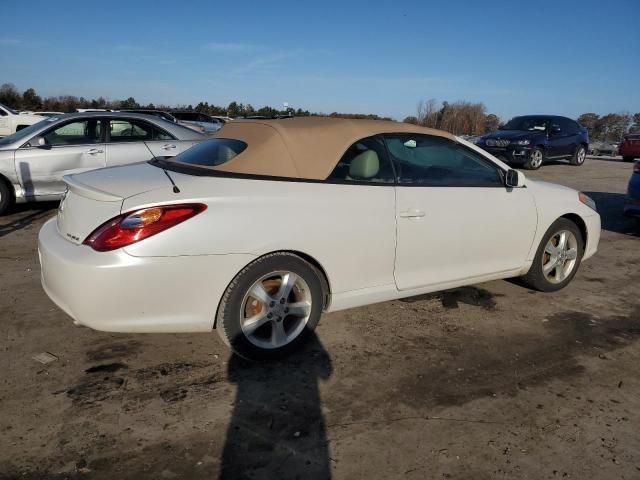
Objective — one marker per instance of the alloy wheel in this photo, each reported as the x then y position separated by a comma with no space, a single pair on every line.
581,155
275,310
560,256
536,159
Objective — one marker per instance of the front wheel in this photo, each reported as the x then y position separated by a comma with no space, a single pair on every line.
558,257
534,162
271,307
578,156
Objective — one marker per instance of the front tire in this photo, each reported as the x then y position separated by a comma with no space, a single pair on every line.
578,156
558,257
271,307
6,199
536,157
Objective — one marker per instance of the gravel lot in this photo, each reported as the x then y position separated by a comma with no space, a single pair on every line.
490,381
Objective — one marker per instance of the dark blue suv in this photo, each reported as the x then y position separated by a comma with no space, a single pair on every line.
531,140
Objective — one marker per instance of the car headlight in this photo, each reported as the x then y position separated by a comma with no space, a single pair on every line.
521,142
588,201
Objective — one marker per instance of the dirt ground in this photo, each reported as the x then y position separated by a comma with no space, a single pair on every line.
489,381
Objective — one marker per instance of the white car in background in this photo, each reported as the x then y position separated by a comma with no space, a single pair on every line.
12,121
34,159
258,231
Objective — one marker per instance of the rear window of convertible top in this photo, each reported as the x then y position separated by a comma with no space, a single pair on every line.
212,152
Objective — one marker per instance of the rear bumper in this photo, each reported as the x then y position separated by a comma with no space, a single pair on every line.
116,292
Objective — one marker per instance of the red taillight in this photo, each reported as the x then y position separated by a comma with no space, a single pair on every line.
131,227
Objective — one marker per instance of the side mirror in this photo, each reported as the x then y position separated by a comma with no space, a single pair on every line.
514,179
40,142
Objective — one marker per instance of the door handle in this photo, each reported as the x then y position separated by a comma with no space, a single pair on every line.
412,213
94,151
168,146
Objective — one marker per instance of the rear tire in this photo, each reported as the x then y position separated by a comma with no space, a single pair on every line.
535,160
542,275
627,159
6,198
256,314
595,153
578,156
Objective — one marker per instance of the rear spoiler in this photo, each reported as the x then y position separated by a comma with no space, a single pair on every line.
89,192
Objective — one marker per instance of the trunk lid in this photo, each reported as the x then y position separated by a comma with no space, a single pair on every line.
94,197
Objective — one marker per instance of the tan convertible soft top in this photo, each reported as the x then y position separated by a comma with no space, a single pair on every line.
303,147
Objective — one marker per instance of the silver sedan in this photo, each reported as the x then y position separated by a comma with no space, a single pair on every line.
34,159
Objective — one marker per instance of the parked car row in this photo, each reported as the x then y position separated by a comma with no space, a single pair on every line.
12,121
34,159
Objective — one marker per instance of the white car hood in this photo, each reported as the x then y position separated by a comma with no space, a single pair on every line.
542,188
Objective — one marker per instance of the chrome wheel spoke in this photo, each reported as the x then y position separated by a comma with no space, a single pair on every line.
548,267
562,241
560,274
259,293
250,325
299,309
278,335
288,282
551,249
572,254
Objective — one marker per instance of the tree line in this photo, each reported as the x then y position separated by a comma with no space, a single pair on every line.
466,118
459,118
31,101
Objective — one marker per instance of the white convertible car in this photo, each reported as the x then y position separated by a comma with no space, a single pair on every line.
258,231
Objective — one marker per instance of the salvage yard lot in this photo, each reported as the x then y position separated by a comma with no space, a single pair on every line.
490,381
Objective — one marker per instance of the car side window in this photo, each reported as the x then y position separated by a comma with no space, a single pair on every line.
82,132
439,162
366,161
121,130
568,126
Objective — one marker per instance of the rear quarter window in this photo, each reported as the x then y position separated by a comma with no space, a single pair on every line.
212,153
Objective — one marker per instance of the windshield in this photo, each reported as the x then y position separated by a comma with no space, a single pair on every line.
212,152
528,123
25,132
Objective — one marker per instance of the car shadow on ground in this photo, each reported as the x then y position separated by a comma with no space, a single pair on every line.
452,298
24,215
610,207
277,429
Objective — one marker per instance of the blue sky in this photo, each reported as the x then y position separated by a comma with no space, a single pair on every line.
563,57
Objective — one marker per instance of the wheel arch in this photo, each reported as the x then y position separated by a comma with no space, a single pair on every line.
322,275
582,226
12,191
